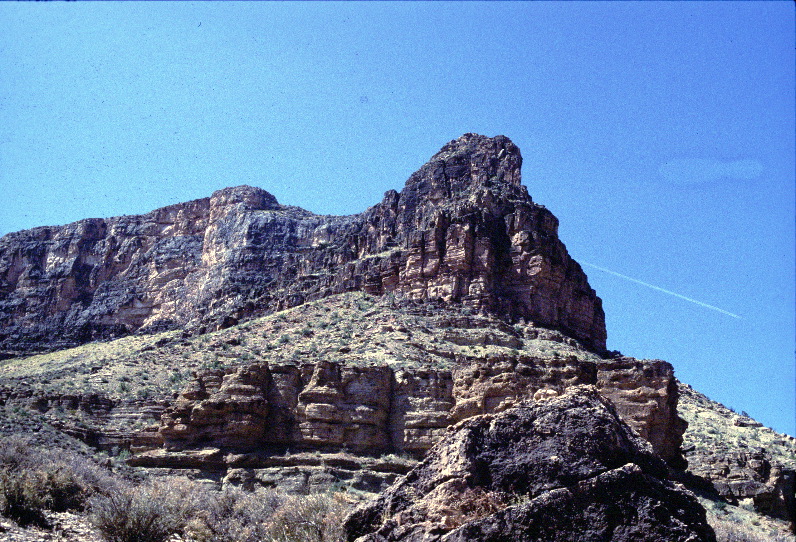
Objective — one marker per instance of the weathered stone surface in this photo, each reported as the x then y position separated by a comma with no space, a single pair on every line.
749,476
344,406
645,394
93,418
482,388
746,463
303,472
463,230
562,469
378,409
225,408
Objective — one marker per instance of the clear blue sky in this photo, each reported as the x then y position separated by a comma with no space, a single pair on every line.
660,134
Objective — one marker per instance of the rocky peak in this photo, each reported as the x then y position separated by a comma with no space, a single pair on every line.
463,230
244,198
470,161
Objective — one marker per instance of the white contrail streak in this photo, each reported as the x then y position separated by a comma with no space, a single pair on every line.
631,279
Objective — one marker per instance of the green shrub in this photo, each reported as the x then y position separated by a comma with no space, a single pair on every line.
309,518
26,493
235,515
155,512
21,498
146,513
729,532
34,480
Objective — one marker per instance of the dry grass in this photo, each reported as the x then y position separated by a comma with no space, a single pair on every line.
739,524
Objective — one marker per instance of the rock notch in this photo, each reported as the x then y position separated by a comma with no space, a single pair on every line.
463,230
561,469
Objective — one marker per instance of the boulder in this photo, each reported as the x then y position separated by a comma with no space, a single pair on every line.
566,468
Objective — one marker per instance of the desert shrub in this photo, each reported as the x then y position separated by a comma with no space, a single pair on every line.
475,503
13,452
735,530
149,512
34,479
25,493
267,515
309,518
235,515
21,498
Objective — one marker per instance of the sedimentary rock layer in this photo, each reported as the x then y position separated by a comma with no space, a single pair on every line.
463,230
378,409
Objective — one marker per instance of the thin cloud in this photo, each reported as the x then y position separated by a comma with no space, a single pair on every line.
698,171
658,288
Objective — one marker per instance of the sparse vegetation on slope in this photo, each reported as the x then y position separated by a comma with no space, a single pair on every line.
746,463
351,328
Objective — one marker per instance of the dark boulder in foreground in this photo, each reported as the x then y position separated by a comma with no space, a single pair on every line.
563,469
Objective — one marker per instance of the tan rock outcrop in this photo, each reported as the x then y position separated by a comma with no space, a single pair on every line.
226,408
645,395
378,409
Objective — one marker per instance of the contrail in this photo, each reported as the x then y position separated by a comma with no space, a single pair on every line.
631,279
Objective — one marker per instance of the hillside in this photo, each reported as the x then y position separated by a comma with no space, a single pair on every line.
114,394
249,345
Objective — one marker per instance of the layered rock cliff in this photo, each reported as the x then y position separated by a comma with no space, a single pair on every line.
350,372
380,409
463,230
450,301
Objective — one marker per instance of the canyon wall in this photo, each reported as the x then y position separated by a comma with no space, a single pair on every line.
378,409
463,230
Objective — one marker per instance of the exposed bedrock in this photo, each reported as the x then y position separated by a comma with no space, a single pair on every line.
463,230
565,468
378,409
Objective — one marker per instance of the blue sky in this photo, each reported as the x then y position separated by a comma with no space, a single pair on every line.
660,134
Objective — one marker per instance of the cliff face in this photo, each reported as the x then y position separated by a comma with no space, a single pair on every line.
380,409
365,409
463,230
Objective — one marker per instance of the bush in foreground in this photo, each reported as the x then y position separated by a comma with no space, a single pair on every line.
153,512
147,513
34,480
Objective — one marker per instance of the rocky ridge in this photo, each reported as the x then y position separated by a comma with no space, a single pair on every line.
462,230
348,374
747,464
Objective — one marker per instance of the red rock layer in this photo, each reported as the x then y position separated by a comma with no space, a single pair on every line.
463,230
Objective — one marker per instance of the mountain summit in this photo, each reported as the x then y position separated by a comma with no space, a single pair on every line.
463,230
440,348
